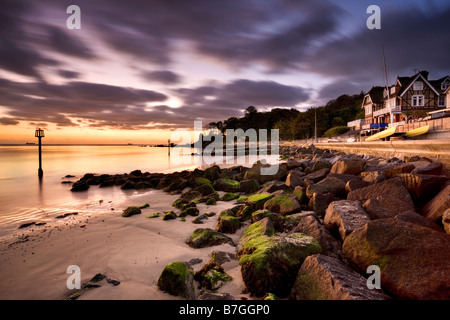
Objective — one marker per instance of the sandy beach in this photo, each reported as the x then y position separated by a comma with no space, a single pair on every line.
132,250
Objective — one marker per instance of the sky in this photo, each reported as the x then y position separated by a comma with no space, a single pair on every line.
138,70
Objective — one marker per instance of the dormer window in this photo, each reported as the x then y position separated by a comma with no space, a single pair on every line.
392,90
445,85
418,86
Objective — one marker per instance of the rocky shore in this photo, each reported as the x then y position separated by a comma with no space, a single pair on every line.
315,228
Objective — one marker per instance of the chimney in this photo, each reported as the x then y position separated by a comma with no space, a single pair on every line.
424,74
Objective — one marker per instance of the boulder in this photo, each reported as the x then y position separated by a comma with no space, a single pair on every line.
345,216
434,209
80,186
205,189
413,217
272,186
227,222
434,167
255,201
271,264
326,278
205,237
191,195
258,228
227,185
249,186
311,226
385,207
349,166
319,202
212,276
393,187
283,204
169,216
295,178
317,175
413,260
422,187
328,185
403,168
229,196
130,211
373,176
244,213
300,193
177,279
212,173
190,211
446,220
256,173
211,295
321,164
355,184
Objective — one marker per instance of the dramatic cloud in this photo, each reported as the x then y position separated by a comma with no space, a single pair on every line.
163,76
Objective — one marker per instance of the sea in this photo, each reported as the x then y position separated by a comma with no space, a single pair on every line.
25,198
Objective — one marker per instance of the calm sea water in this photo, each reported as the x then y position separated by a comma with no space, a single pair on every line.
25,198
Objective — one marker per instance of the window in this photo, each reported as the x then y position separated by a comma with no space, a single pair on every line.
418,100
392,90
368,109
418,85
441,101
445,85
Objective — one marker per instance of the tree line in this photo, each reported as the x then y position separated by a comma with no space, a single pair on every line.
294,124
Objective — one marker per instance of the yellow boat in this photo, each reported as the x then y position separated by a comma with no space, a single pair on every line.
383,134
416,132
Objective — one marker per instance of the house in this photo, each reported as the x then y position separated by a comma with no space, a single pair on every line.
407,99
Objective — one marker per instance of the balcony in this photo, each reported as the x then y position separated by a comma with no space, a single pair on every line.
394,109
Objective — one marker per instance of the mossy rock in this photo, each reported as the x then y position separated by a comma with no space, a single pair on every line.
177,279
190,204
227,223
211,201
227,185
270,296
300,193
144,206
283,204
255,201
212,276
229,196
244,213
179,202
210,214
169,216
130,211
260,228
155,215
271,264
205,237
199,181
191,211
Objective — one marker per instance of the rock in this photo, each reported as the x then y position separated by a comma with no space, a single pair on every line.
256,229
434,209
270,296
244,213
348,166
169,216
345,216
326,278
413,217
385,207
446,220
311,226
328,185
413,260
273,186
255,173
352,185
212,276
227,185
422,187
79,186
177,279
249,186
435,168
205,237
191,195
212,173
320,164
393,187
373,176
276,219
227,222
295,178
319,202
300,193
229,196
293,164
403,168
205,189
221,257
284,205
318,175
271,264
191,211
130,211
208,295
255,201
